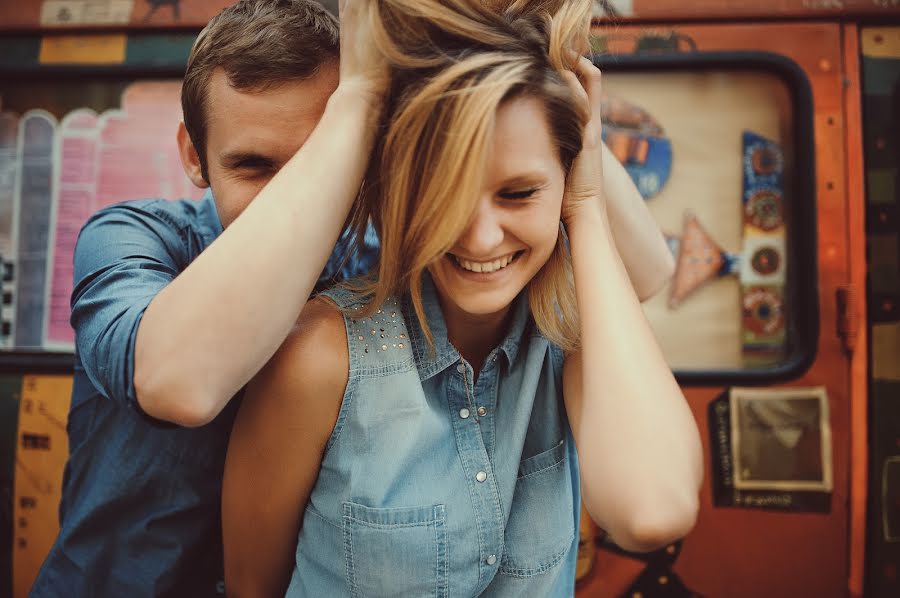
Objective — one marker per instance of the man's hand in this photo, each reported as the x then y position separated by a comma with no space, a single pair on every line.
364,69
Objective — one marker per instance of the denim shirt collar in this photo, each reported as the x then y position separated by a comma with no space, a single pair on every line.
430,363
208,204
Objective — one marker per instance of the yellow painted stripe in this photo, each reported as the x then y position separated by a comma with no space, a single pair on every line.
41,450
880,42
83,49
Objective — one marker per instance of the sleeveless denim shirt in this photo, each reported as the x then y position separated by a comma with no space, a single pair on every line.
431,485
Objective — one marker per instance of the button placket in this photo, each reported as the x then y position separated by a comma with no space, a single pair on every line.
473,454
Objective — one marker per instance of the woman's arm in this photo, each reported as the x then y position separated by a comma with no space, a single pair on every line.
638,444
275,451
639,241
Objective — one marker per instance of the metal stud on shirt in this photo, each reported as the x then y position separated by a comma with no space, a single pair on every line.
481,476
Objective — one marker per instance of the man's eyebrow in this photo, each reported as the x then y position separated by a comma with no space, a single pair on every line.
232,159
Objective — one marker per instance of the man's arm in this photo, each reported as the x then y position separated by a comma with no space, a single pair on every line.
124,256
205,335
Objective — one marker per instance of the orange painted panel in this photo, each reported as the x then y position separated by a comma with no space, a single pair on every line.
749,553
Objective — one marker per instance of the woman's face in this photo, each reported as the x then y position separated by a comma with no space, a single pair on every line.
516,222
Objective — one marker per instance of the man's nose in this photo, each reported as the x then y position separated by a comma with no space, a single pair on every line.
485,231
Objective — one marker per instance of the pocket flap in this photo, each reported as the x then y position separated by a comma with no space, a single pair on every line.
543,461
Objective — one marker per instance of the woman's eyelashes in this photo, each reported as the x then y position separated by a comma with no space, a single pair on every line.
519,194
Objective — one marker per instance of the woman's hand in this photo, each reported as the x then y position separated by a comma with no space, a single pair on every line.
364,69
585,184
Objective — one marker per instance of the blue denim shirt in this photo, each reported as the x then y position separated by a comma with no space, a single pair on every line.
140,513
431,485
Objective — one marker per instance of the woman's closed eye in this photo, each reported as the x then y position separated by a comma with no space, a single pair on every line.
519,193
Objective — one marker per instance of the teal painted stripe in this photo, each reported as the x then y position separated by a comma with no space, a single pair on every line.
18,52
159,50
880,76
150,50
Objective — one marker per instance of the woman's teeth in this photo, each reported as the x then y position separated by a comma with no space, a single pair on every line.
485,267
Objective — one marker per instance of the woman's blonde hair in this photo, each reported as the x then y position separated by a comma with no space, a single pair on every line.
455,62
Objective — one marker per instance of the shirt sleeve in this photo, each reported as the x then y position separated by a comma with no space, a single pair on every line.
350,258
124,256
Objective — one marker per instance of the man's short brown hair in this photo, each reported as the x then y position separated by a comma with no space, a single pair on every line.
259,44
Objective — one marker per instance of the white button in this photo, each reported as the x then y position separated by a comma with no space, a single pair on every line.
482,411
491,559
461,369
481,476
464,413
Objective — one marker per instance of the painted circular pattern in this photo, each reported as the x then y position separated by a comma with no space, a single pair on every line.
765,161
762,312
638,141
764,210
766,261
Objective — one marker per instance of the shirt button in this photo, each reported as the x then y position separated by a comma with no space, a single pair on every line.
482,411
491,559
481,476
461,369
464,413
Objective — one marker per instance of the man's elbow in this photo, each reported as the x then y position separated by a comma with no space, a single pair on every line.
186,406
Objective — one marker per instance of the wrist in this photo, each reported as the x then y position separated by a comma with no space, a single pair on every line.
589,214
358,94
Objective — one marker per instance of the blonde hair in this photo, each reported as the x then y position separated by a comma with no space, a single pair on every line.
455,62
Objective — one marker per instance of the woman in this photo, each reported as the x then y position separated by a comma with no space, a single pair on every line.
423,426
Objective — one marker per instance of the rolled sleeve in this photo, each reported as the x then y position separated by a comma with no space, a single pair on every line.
124,256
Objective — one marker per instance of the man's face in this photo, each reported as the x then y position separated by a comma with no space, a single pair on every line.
251,135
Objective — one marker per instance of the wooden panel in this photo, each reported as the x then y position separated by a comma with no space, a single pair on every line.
746,553
68,14
856,224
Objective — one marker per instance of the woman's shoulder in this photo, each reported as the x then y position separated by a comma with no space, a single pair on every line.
314,354
378,340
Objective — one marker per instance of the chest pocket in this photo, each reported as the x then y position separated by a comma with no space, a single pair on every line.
541,524
396,551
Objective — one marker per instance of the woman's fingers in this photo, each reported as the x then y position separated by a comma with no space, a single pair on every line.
591,79
578,89
585,82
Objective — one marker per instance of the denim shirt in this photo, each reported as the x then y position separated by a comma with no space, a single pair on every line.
140,512
431,485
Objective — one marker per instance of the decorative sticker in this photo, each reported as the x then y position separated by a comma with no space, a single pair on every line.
772,449
86,12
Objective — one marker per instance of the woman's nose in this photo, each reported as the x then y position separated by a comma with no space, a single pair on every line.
484,233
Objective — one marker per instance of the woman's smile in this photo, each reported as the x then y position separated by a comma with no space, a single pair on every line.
484,270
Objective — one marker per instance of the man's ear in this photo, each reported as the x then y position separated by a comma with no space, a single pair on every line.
189,158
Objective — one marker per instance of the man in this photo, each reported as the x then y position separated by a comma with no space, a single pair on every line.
176,305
